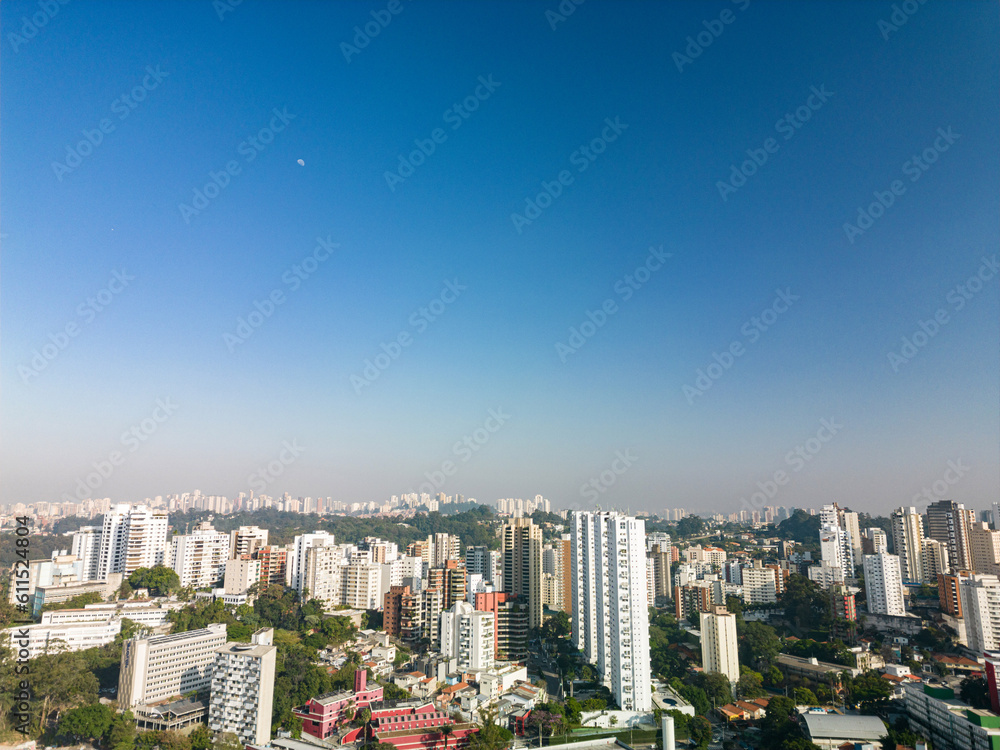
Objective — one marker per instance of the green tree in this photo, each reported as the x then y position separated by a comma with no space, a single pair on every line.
89,722
227,741
122,735
174,741
491,736
160,580
446,731
869,691
700,731
201,738
975,691
690,526
750,684
804,697
759,646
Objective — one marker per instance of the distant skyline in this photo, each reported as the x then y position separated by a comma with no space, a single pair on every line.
706,249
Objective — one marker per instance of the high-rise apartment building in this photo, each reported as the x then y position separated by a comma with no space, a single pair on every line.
610,614
300,555
133,537
153,669
875,541
273,565
362,585
243,689
521,546
241,574
884,584
908,541
984,546
87,548
719,650
853,529
658,566
934,558
392,610
246,540
836,538
981,611
199,558
469,636
951,523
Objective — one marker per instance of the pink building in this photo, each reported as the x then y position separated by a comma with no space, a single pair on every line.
321,716
410,725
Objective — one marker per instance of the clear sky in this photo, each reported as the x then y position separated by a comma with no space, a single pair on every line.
692,196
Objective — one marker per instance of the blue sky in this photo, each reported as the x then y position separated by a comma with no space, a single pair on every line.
216,83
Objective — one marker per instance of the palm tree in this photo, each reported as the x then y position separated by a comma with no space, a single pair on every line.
447,730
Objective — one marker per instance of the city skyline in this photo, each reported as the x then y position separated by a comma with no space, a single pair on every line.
746,256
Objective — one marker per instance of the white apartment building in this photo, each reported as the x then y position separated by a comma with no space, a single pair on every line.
908,541
981,611
298,558
934,558
246,540
133,537
825,574
199,558
879,540
719,651
468,636
714,556
149,615
50,638
609,610
163,666
243,689
87,548
59,570
325,573
363,585
760,586
884,585
241,574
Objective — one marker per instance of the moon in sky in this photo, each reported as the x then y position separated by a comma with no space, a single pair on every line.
301,163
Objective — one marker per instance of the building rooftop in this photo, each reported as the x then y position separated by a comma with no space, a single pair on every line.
840,727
